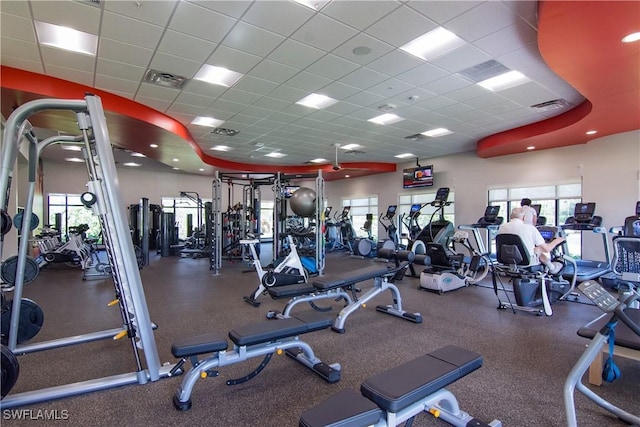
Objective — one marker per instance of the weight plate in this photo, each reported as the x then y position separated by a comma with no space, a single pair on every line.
29,323
9,269
17,221
5,222
10,370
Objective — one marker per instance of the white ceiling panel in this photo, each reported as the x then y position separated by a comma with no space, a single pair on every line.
296,54
276,71
252,39
283,20
185,46
350,12
332,67
19,49
486,18
442,11
82,77
156,12
66,14
338,91
157,92
352,50
172,64
364,78
324,33
120,70
233,59
401,26
113,50
232,8
255,85
118,27
508,39
16,27
394,63
70,60
461,58
201,22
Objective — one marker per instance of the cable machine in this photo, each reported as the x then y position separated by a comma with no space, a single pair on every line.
106,201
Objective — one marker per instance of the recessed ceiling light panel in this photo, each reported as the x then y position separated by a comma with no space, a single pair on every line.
66,38
386,119
433,44
504,81
217,75
207,121
317,101
434,133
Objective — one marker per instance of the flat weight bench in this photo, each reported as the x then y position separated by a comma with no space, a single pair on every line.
342,286
399,394
260,339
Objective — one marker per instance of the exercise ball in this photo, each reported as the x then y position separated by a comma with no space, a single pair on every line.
303,202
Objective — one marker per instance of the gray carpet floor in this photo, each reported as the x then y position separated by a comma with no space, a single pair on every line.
526,358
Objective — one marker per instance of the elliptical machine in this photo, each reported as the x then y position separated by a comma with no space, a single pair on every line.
386,220
289,271
439,231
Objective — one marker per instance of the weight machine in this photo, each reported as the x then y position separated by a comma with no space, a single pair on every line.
106,201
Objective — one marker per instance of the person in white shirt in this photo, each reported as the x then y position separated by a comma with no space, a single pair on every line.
539,250
530,214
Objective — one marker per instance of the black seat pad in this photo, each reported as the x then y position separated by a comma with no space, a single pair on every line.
273,330
199,344
352,277
347,408
288,291
412,381
624,337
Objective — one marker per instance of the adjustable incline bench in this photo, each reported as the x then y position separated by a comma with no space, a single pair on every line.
342,286
260,339
401,393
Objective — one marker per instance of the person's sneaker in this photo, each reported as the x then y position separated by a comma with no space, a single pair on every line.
557,266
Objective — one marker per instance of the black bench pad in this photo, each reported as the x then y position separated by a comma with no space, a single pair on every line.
352,277
347,408
412,381
288,291
199,344
625,337
270,330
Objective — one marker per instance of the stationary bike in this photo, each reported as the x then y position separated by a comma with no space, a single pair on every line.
288,272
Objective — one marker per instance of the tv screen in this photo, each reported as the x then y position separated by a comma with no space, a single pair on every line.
491,211
417,177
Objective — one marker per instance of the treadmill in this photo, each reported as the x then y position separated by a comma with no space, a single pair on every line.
584,219
491,222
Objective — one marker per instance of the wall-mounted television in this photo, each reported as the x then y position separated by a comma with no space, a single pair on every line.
417,177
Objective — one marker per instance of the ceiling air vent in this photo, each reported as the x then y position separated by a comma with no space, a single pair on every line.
387,107
555,104
483,71
416,137
354,152
160,78
224,132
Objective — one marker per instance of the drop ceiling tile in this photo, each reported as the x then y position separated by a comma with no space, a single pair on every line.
177,108
283,117
377,49
486,18
124,53
154,12
118,27
283,20
271,103
20,49
156,104
233,59
194,99
447,84
233,8
359,14
112,84
435,103
342,108
71,74
394,63
185,46
332,67
364,99
273,71
255,85
227,106
120,70
201,22
461,58
528,94
558,86
287,93
18,8
338,91
66,13
508,39
467,93
174,65
21,63
390,88
442,11
308,82
70,60
298,110
17,27
240,96
323,33
252,39
296,54
401,26
422,74
157,92
256,112
364,78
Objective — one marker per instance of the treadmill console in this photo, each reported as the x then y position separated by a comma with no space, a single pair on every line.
638,208
584,212
490,217
415,210
537,209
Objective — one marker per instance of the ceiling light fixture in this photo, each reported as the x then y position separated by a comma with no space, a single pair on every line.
131,164
531,147
386,119
72,147
201,169
317,101
313,4
404,155
66,38
275,154
591,132
434,133
350,146
221,148
217,75
433,44
137,155
504,81
153,145
318,160
74,159
176,160
207,121
630,38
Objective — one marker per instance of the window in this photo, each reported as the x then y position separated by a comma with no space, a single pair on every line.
186,213
360,207
556,205
66,210
266,219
